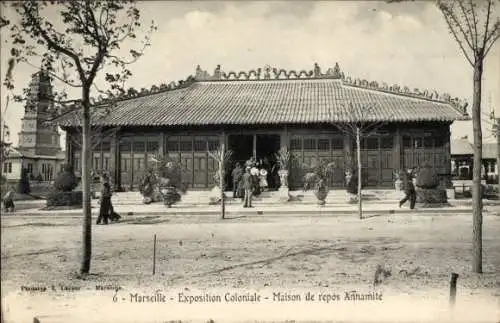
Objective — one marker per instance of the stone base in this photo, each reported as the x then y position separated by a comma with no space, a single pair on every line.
450,193
214,196
351,198
284,194
265,194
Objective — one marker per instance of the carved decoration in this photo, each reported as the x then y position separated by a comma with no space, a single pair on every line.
433,95
269,73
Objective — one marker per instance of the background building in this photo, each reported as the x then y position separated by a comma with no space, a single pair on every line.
39,149
462,159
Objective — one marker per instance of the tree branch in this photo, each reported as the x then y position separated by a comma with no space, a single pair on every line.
53,44
487,50
473,27
54,75
488,13
454,33
90,14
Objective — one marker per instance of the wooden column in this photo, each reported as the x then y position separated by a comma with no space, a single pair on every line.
397,156
254,149
69,149
348,157
162,144
222,138
223,144
447,159
285,139
115,161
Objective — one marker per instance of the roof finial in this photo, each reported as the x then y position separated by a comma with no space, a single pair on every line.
336,70
217,72
317,70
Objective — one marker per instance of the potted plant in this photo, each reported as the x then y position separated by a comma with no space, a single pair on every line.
147,187
169,182
282,161
316,179
427,188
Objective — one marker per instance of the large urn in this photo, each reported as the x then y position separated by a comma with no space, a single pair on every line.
170,196
283,174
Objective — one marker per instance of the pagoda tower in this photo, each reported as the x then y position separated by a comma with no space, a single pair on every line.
37,136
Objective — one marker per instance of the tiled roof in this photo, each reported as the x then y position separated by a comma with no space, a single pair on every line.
461,147
490,150
15,152
464,147
240,102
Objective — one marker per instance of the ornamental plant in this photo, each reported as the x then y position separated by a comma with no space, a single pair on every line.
66,181
317,174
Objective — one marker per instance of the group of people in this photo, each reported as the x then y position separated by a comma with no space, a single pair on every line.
250,180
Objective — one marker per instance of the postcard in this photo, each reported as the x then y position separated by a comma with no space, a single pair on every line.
250,161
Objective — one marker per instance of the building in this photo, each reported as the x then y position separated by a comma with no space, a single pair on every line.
462,159
39,149
256,113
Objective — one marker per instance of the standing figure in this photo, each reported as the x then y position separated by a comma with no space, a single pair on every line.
8,200
409,188
105,200
263,179
248,186
254,172
236,174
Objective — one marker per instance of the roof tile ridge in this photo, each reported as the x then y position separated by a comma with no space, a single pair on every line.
268,73
132,93
396,89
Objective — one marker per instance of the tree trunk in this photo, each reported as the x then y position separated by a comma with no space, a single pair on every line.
221,181
358,153
477,199
497,130
87,211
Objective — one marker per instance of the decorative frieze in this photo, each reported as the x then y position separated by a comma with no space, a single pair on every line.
405,90
273,73
268,73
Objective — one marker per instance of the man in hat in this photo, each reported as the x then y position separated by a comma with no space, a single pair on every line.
105,200
237,174
248,187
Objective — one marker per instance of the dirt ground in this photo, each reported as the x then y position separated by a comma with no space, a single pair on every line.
243,255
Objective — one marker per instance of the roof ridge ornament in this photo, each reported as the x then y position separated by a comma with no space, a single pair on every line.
268,73
459,104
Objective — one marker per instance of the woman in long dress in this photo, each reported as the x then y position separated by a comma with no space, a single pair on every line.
263,179
254,171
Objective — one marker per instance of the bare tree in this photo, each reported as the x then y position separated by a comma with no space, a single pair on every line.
358,121
475,25
74,50
222,156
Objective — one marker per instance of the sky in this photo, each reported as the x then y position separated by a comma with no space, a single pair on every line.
398,43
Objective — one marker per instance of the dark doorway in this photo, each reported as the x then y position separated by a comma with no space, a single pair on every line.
266,148
242,150
241,147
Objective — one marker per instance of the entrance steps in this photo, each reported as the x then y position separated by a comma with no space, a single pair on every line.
338,197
